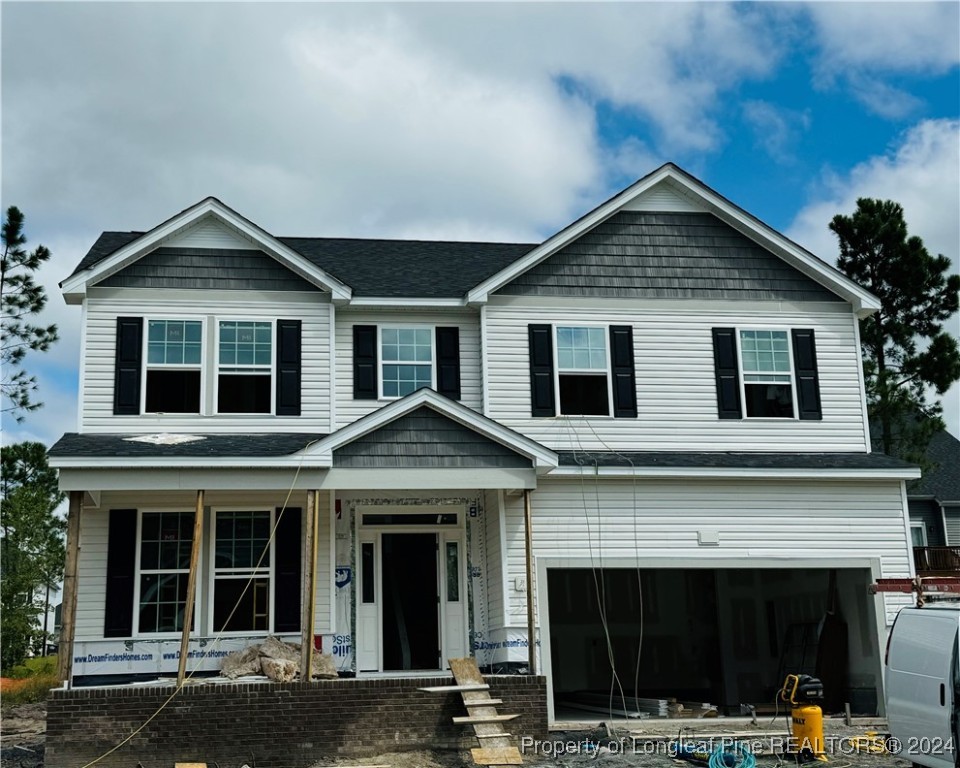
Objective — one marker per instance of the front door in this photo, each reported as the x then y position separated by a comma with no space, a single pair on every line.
410,613
411,609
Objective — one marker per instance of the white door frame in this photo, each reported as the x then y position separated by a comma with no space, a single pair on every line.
444,533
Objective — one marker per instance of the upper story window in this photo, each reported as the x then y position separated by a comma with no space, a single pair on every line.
582,371
207,366
406,359
164,566
767,373
392,361
245,367
174,366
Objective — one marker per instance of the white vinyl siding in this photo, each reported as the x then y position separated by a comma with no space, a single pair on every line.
349,410
675,380
209,233
753,518
94,531
952,514
101,329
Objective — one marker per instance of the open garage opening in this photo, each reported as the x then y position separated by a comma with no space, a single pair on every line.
720,636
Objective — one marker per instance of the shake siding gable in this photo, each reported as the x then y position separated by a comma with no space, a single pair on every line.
675,377
101,317
636,254
208,269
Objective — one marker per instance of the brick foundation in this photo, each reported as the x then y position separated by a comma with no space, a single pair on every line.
271,724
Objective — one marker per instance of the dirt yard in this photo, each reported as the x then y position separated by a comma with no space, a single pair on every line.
22,736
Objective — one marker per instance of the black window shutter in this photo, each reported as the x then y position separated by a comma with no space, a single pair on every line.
624,373
121,562
542,394
727,372
129,353
448,362
808,381
288,367
364,362
287,548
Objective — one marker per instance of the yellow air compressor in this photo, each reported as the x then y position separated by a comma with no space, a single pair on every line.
800,692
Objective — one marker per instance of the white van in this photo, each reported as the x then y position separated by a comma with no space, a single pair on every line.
923,684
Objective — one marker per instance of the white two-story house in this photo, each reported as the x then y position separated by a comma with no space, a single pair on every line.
671,388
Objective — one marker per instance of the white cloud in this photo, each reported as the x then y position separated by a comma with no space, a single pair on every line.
923,175
896,36
775,128
859,43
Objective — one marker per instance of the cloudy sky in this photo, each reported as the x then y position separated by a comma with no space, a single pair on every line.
497,122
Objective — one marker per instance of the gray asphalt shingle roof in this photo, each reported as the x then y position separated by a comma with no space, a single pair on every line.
267,444
389,268
258,445
731,460
943,481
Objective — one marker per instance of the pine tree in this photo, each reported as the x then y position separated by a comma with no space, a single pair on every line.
906,352
31,548
20,299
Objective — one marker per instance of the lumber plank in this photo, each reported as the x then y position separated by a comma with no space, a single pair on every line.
487,702
493,735
456,688
484,719
496,756
465,671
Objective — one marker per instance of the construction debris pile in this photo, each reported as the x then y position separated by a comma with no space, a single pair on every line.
278,660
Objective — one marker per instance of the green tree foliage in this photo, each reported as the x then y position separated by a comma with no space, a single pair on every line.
905,350
32,547
21,298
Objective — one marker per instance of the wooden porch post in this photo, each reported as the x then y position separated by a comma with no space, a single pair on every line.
308,609
531,625
191,590
69,610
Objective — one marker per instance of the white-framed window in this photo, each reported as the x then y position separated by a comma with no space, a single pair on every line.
245,364
583,370
407,357
173,376
242,572
164,542
918,534
766,373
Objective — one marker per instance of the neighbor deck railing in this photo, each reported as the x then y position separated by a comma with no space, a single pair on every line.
933,561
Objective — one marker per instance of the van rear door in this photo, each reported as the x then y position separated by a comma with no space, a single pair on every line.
920,684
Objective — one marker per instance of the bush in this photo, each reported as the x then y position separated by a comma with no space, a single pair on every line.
26,690
35,667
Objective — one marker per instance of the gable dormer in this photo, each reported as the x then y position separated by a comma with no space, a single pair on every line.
177,248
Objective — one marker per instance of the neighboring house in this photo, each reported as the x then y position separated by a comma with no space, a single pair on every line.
677,385
934,503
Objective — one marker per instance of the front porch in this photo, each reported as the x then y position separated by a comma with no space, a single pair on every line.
282,725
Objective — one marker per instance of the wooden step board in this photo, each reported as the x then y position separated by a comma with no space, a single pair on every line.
497,747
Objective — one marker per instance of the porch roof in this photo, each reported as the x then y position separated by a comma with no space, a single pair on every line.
196,445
